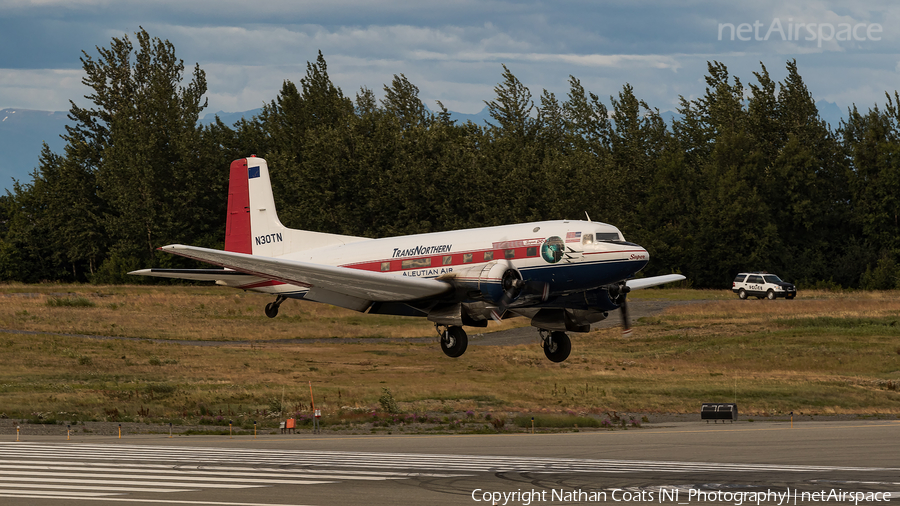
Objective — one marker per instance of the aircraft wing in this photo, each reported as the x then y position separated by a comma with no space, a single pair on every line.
341,286
636,284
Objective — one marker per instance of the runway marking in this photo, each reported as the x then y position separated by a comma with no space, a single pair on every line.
111,471
154,501
304,461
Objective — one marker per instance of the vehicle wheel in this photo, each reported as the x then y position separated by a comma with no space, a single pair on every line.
770,295
454,342
558,347
742,294
271,310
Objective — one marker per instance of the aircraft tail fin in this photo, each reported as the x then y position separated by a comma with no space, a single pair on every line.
252,225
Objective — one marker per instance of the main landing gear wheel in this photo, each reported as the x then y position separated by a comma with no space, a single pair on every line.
557,345
272,307
454,341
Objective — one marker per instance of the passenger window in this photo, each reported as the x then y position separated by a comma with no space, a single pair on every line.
385,266
531,252
467,258
488,255
447,260
510,253
416,263
587,239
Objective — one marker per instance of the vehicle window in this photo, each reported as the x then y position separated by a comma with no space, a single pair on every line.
488,255
607,236
447,260
467,258
587,239
385,266
740,278
771,278
416,263
755,279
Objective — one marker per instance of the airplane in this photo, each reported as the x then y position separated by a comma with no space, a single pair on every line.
563,275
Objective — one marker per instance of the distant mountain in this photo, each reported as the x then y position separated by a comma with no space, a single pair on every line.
828,111
478,118
229,118
831,113
22,132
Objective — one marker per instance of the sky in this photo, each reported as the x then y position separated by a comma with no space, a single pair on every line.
453,50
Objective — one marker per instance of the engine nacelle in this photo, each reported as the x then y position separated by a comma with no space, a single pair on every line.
488,282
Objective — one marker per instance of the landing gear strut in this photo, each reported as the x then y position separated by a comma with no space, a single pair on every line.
557,345
453,340
272,307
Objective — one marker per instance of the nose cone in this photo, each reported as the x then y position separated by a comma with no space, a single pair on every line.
639,258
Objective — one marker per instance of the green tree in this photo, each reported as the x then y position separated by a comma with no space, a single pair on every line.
141,141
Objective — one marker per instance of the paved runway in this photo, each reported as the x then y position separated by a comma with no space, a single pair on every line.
682,463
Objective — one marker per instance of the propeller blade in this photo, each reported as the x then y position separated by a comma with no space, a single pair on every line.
626,323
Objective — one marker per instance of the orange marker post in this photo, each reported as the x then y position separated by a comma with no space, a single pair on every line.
120,431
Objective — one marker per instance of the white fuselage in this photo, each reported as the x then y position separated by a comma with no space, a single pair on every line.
571,255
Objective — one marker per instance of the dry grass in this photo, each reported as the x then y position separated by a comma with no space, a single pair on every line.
829,354
191,313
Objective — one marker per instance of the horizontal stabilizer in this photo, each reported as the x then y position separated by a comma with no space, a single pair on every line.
636,284
192,274
356,283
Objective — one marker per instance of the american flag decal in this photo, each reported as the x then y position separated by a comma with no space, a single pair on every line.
573,237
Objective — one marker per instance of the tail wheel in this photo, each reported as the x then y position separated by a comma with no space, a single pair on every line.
557,347
454,342
271,310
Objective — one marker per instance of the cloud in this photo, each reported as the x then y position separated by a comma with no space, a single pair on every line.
451,49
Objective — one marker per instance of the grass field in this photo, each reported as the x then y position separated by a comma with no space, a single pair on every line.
823,353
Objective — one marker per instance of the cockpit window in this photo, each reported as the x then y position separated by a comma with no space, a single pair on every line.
587,239
608,236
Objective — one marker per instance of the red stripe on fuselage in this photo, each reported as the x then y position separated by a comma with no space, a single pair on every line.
457,259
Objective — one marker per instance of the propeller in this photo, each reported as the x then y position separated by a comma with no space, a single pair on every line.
618,294
514,287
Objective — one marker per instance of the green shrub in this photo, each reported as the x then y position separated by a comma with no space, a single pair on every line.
70,302
388,404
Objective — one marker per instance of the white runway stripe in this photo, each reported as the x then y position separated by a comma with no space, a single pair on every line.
186,476
50,478
231,471
95,487
69,495
151,501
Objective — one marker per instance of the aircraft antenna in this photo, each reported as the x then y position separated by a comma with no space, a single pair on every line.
587,216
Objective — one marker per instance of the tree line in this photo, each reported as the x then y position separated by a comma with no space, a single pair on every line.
745,178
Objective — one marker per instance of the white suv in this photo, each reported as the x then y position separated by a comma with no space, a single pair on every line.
761,284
